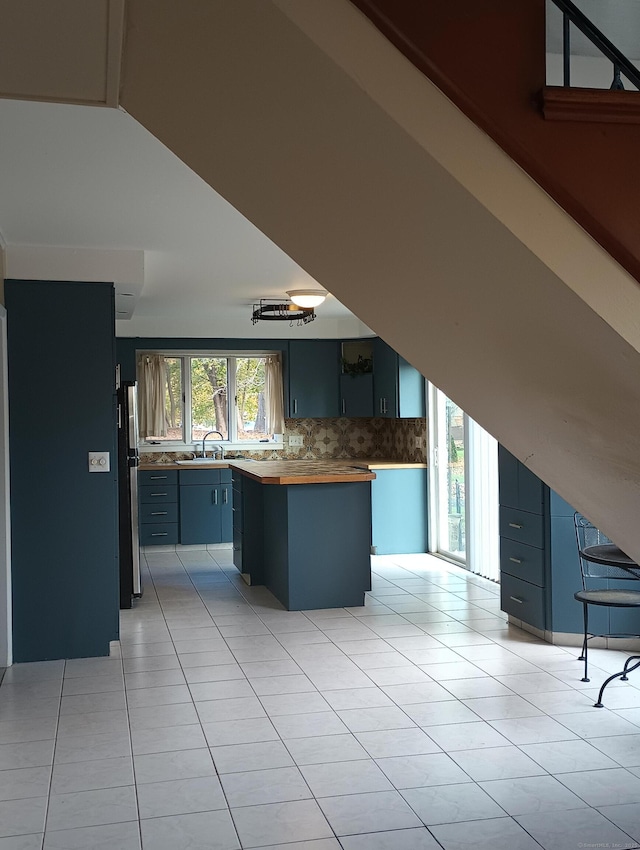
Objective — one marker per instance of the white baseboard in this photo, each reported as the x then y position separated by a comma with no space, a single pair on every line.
181,547
575,639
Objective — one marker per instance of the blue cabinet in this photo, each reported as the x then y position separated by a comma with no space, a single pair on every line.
356,378
356,395
320,387
313,379
399,511
205,506
191,506
539,567
248,548
158,509
398,388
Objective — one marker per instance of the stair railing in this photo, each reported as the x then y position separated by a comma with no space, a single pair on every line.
621,65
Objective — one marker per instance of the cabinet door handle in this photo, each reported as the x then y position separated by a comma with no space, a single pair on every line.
515,599
514,525
295,405
385,405
381,405
343,407
214,494
159,513
159,533
225,496
515,560
158,494
157,477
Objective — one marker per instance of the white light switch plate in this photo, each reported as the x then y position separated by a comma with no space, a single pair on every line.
296,440
99,462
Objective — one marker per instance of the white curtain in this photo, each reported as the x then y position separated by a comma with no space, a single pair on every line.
152,384
274,394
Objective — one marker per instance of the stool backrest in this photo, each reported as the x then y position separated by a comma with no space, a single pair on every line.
588,535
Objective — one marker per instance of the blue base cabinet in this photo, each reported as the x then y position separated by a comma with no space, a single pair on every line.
205,505
191,506
158,509
248,546
308,544
399,511
539,566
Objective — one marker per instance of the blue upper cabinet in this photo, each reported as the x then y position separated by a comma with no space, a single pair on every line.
356,395
356,378
313,379
398,388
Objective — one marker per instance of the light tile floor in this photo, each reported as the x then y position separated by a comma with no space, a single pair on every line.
420,721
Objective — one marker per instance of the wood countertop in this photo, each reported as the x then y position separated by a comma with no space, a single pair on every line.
282,471
301,471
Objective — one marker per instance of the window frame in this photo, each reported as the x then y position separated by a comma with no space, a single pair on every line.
187,420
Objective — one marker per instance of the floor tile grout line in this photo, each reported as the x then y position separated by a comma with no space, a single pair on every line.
544,713
335,712
218,775
53,757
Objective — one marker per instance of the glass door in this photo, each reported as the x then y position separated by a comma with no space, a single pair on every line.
449,474
463,488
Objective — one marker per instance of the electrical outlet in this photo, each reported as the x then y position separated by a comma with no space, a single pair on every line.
296,440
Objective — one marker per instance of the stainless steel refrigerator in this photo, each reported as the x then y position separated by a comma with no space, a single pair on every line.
130,577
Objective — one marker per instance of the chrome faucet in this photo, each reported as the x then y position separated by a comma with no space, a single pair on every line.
204,451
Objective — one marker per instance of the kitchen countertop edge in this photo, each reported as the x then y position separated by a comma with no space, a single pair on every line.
272,472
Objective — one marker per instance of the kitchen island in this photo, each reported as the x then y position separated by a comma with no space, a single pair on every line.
303,529
333,531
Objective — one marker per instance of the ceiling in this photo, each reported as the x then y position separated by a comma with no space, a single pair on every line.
86,193
92,178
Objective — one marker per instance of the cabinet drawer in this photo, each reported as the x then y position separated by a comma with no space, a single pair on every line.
153,534
200,476
522,561
522,526
522,600
158,494
157,477
166,512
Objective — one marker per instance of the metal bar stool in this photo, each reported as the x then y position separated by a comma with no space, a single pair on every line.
602,562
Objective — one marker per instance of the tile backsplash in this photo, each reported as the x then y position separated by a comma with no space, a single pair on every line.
392,439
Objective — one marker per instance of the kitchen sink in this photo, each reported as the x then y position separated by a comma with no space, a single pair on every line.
201,461
209,461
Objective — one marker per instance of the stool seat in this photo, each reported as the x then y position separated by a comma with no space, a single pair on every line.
612,598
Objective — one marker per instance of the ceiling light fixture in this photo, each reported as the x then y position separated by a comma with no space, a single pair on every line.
270,310
307,298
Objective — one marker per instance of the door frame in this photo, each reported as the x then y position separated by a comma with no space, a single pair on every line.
434,518
6,649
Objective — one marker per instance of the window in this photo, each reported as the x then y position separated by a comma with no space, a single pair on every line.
183,396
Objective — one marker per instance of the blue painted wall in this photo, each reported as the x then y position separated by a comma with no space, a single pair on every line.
61,350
